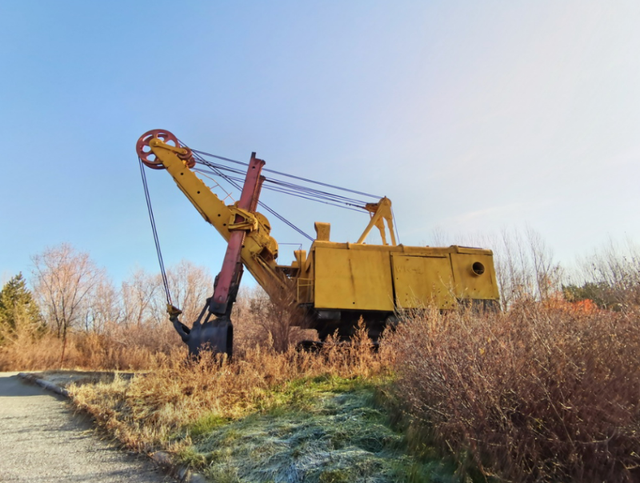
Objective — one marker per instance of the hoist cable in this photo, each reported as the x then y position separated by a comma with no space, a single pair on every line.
285,221
293,189
307,180
334,199
306,189
155,233
315,194
292,186
232,182
278,189
281,186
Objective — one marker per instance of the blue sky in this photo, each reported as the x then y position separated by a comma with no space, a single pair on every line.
472,117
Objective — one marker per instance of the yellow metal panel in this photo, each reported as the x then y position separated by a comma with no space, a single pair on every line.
353,279
420,281
470,284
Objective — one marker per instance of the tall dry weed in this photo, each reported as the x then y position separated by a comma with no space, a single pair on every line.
544,392
148,411
117,347
132,344
268,322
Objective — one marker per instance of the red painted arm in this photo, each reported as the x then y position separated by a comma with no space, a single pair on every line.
229,277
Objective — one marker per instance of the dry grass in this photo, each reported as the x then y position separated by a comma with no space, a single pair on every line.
142,345
116,348
547,391
543,392
148,411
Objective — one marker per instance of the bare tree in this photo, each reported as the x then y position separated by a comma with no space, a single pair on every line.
138,295
262,320
190,285
144,298
144,320
64,282
548,273
613,271
524,263
105,307
525,267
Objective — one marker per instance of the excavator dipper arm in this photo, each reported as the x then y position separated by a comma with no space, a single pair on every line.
229,278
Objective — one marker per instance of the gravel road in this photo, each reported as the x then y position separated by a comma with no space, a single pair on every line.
41,440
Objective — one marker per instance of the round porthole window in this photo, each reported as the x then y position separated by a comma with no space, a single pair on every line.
478,268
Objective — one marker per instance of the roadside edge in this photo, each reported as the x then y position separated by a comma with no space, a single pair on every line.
160,458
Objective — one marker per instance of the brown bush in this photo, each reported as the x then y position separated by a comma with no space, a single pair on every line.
118,347
134,342
145,412
261,321
544,392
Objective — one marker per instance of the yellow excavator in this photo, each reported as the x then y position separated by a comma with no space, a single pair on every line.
334,284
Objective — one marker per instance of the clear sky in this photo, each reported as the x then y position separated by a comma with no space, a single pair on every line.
472,116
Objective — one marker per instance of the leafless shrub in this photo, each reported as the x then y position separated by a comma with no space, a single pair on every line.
125,329
95,326
261,320
116,347
543,392
614,270
524,263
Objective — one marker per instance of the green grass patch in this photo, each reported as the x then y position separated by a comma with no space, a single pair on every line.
207,424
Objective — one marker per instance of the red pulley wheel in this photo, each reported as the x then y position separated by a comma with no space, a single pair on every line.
144,150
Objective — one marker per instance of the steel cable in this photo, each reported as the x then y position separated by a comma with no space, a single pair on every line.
285,187
233,183
307,180
156,239
294,189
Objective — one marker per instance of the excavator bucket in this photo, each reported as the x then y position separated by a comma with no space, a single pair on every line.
214,335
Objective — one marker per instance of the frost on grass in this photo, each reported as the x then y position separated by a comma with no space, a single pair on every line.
337,436
266,417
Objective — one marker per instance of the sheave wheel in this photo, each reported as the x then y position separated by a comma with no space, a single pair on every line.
144,150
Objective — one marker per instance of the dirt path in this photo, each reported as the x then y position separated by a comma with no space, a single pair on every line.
42,440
